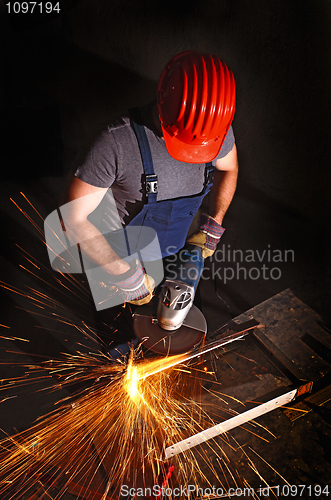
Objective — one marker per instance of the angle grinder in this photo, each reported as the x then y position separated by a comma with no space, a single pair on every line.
171,323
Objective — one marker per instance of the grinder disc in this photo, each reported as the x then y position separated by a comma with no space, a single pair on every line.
161,341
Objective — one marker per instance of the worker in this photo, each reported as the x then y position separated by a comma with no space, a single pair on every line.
158,162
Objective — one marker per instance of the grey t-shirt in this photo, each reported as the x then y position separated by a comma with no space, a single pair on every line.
114,161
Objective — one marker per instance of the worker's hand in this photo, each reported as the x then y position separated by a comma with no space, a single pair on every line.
136,286
142,295
207,236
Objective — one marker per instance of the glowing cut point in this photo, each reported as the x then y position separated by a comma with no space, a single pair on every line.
131,382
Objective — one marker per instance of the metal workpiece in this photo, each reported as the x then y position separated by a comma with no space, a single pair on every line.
229,424
268,396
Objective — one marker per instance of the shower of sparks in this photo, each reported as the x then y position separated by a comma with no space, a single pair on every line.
114,430
13,338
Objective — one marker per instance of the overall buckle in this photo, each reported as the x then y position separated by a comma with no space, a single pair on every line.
150,184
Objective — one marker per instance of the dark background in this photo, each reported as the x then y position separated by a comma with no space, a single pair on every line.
64,74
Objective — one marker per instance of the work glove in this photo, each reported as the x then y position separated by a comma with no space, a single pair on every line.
136,286
207,236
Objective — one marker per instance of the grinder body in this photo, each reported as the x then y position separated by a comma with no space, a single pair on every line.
178,290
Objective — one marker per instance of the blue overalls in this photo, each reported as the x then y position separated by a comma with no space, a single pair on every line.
172,218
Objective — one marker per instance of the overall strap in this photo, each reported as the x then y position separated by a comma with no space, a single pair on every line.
149,178
209,176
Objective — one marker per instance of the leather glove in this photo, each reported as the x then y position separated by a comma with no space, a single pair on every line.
136,286
207,236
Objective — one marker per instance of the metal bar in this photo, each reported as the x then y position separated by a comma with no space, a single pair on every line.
171,361
229,424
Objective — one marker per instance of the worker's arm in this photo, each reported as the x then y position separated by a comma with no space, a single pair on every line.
221,194
224,186
84,200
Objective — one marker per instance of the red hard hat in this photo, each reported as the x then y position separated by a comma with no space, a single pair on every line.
196,101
